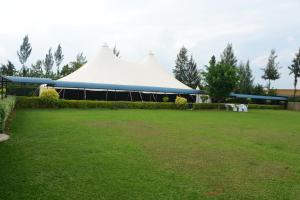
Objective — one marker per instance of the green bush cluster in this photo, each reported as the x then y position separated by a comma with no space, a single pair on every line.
6,106
35,102
180,100
49,95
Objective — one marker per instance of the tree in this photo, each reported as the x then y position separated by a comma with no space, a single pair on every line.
271,70
258,90
295,70
24,53
228,56
36,69
116,52
79,62
66,70
192,74
245,83
181,64
8,69
221,79
58,57
48,64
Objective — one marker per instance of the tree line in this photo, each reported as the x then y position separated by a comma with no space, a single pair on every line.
43,68
221,77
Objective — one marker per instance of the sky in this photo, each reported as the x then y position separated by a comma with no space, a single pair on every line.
204,27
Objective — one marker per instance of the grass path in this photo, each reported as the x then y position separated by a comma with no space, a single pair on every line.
151,154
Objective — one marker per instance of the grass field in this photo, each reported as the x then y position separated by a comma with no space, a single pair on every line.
151,154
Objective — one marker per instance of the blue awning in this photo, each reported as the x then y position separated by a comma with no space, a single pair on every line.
99,86
249,96
32,80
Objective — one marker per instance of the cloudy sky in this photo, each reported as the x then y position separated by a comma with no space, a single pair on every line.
254,27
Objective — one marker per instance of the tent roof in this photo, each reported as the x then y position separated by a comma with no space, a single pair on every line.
97,86
106,68
246,96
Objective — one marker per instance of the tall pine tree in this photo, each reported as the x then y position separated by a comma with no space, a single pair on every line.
58,57
192,75
181,65
295,71
245,83
271,71
48,64
228,57
23,54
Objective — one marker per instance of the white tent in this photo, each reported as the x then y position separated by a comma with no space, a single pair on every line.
106,68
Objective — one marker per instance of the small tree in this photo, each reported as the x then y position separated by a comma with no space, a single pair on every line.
8,69
36,69
245,83
228,56
48,63
58,57
271,70
221,79
295,71
181,64
24,53
79,62
66,70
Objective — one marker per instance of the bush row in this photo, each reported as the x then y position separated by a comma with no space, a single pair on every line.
35,102
6,106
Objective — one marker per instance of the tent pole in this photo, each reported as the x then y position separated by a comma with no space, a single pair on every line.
1,87
141,96
154,98
84,94
5,88
106,95
130,95
64,93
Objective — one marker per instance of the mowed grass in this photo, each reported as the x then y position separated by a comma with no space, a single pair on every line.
151,154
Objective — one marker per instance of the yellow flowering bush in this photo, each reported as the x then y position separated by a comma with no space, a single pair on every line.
180,100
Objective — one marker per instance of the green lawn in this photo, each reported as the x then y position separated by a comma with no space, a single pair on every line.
151,154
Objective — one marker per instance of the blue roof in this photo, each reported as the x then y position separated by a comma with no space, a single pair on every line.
32,80
67,84
246,96
83,85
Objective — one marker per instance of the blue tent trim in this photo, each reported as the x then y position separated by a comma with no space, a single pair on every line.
246,96
102,86
32,80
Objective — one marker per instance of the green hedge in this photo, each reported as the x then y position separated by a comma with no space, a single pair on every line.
35,102
6,106
208,106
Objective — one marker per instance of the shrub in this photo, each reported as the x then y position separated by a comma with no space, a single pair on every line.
165,99
6,106
35,102
180,100
49,95
204,98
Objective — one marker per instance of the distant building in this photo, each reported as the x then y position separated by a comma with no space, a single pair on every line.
287,92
